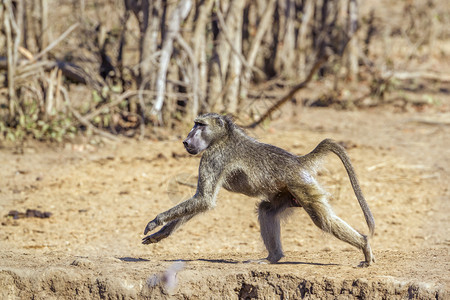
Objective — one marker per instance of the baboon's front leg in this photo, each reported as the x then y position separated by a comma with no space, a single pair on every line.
204,199
165,231
187,208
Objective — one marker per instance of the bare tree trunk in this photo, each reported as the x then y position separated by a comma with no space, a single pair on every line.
199,42
149,37
193,104
234,71
13,29
171,95
178,15
263,27
287,49
44,24
49,97
218,67
82,9
308,10
353,50
35,25
341,21
18,30
10,58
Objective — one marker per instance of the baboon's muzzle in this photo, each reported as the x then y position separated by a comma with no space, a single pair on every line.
189,148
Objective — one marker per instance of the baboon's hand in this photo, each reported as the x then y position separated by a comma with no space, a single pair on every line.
154,238
149,240
151,225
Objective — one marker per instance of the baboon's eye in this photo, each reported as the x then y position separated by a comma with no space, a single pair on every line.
200,124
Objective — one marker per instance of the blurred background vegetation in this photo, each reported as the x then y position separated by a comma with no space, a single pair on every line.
122,67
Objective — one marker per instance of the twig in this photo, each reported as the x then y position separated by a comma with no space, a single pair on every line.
308,11
55,42
57,90
291,93
142,104
25,52
44,23
178,15
353,43
17,24
430,122
90,126
49,99
142,128
263,25
420,74
195,92
83,120
32,69
224,28
115,102
9,53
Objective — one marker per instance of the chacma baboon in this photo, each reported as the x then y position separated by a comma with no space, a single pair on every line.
239,163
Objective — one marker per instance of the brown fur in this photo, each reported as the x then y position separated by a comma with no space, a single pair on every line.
237,162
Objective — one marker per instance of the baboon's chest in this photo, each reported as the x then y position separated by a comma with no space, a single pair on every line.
238,181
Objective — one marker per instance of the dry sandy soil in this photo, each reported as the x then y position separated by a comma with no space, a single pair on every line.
101,198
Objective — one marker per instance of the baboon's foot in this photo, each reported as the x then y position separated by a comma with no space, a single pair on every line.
275,257
271,259
365,264
370,259
261,261
368,255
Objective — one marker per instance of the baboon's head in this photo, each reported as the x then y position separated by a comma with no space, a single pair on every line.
207,130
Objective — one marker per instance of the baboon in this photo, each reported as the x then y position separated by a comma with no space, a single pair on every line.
241,164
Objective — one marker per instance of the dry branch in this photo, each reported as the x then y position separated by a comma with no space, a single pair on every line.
227,37
353,48
236,59
195,76
179,14
83,120
49,99
11,64
289,95
56,42
69,70
404,75
17,25
25,52
199,47
44,24
113,103
304,27
263,26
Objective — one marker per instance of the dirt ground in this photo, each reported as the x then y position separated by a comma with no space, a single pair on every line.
101,198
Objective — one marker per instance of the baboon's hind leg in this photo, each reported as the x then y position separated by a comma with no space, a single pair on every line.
269,221
315,203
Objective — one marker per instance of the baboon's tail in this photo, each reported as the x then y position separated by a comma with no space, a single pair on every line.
330,145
